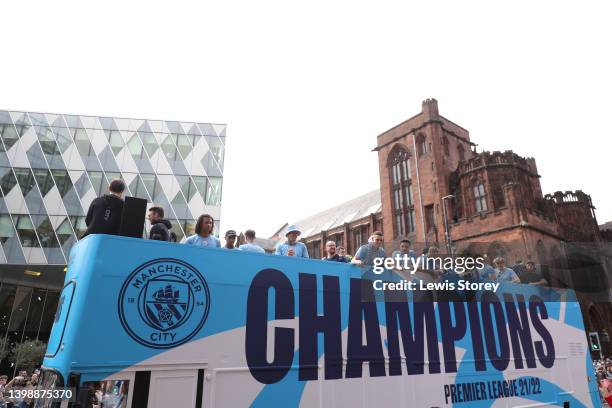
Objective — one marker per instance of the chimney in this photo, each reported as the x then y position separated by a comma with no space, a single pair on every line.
430,108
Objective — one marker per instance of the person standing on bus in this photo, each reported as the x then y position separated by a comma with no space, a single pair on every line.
342,252
230,239
532,276
503,273
332,255
292,247
366,254
487,272
250,246
203,233
104,214
160,227
403,251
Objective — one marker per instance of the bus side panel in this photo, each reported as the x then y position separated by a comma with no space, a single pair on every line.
173,388
101,339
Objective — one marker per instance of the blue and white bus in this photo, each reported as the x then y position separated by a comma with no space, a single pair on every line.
155,324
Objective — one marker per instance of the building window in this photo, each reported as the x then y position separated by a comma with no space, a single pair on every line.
47,141
498,197
401,191
25,230
421,143
148,141
378,225
64,231
44,180
315,249
189,227
9,135
45,232
6,228
480,198
78,223
115,140
430,220
216,148
8,180
25,180
83,145
445,145
213,191
360,236
170,149
337,238
135,148
461,152
183,144
62,181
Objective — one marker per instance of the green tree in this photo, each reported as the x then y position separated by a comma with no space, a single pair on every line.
28,355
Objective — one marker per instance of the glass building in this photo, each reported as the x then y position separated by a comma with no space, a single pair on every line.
53,166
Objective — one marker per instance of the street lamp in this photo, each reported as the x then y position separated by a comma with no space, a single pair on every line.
449,244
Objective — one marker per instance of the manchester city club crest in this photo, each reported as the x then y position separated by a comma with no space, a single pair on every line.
164,303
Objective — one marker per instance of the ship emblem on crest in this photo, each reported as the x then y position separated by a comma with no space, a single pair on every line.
164,303
167,303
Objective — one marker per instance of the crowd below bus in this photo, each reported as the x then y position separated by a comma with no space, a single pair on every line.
22,381
603,371
104,394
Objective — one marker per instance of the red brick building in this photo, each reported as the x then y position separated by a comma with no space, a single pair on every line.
494,205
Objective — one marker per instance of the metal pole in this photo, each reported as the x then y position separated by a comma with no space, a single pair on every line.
449,247
416,157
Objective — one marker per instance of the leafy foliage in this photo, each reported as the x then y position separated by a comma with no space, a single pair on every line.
28,355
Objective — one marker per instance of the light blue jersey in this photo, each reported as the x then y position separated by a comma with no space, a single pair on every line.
210,241
411,254
506,275
368,252
251,248
299,248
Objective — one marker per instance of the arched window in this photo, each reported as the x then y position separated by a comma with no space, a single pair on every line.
461,152
480,198
401,191
498,196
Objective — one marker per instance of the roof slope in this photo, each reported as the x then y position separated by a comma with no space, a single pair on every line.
346,212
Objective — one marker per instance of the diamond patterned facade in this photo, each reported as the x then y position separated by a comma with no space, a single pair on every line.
53,166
